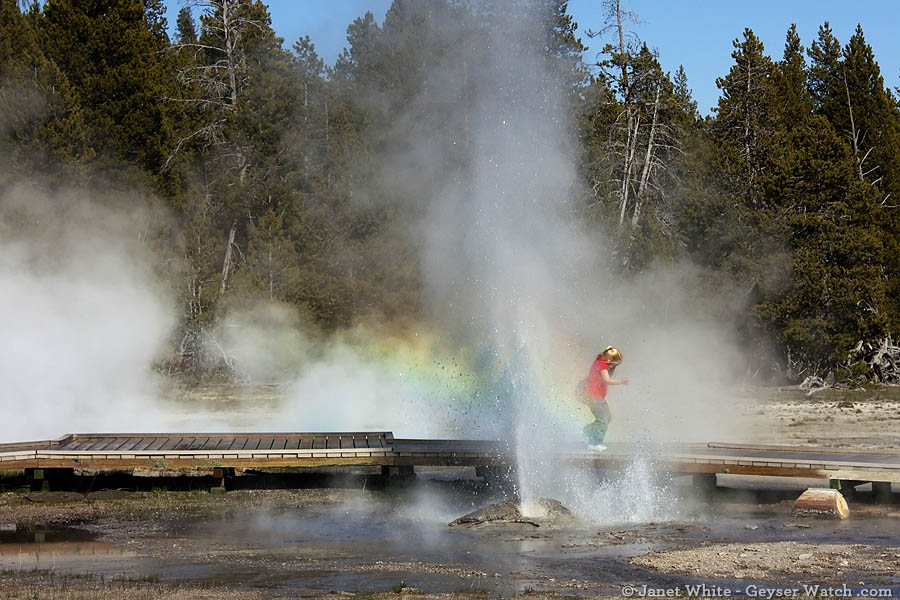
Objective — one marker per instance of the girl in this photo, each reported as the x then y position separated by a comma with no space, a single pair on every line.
599,378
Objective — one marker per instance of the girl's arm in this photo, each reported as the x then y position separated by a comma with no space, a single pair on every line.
604,374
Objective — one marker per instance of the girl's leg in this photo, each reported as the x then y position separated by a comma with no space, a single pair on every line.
596,431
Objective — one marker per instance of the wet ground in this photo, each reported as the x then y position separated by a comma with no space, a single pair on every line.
314,542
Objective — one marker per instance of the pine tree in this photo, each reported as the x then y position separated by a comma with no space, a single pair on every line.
742,123
870,118
186,30
109,51
825,79
839,292
42,127
272,267
793,103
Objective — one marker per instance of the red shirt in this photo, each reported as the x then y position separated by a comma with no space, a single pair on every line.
596,387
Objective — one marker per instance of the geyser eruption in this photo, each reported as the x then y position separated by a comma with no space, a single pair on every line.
511,268
507,259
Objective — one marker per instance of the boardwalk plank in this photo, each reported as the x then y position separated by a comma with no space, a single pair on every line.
224,443
145,443
95,444
85,443
185,444
171,443
114,444
158,443
131,443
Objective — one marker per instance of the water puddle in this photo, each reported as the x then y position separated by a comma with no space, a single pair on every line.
36,534
66,548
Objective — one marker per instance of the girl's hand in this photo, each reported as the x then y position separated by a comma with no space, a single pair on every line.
624,381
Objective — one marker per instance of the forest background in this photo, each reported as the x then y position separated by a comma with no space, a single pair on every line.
264,174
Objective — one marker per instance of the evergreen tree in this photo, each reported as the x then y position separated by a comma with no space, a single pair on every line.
684,98
272,269
825,77
742,122
870,118
838,292
186,30
109,51
793,103
42,127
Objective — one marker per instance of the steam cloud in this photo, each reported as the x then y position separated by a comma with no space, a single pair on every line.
81,322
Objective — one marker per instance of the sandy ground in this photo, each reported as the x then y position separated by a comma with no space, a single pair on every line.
779,561
197,545
839,418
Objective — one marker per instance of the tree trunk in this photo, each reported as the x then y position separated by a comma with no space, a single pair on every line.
271,278
306,133
854,137
648,162
229,34
630,147
226,265
630,140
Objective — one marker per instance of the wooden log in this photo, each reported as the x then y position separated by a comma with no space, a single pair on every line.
821,502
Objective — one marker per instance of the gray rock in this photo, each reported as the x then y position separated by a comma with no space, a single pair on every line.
542,512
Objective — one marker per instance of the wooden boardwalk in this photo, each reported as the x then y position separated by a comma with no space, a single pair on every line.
197,450
166,451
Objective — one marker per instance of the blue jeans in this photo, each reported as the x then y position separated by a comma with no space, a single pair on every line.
595,432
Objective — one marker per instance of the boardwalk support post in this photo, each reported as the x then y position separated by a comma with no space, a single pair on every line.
398,474
847,487
704,484
219,476
882,491
43,480
500,477
34,480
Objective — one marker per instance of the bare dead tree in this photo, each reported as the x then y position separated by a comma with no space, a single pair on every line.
857,138
215,76
648,160
617,19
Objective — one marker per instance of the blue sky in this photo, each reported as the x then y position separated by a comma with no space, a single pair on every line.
695,33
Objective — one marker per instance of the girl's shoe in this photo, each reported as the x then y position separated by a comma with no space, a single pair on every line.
597,447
